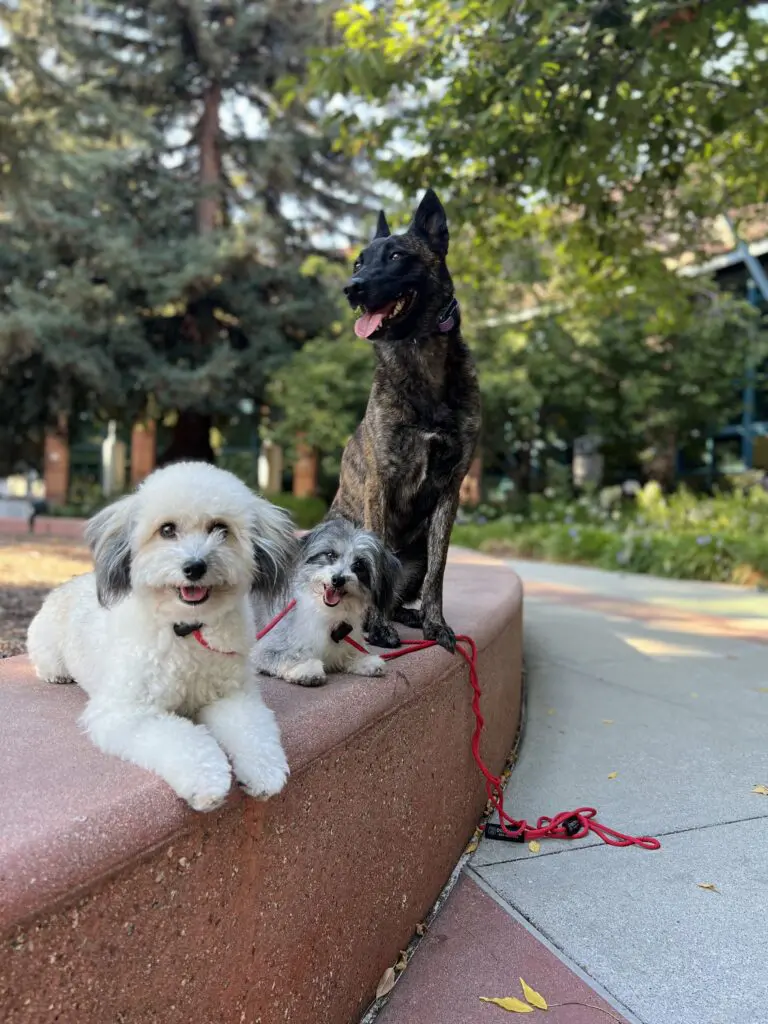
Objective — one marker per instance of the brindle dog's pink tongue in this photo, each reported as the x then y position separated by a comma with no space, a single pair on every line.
368,323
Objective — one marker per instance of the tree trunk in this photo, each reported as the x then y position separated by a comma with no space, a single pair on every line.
191,434
662,466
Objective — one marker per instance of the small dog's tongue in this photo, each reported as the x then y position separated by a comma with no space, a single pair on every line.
331,596
193,593
370,322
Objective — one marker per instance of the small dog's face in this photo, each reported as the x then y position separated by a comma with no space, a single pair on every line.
401,282
194,537
346,568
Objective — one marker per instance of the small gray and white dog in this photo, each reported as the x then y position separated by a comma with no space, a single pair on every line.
340,573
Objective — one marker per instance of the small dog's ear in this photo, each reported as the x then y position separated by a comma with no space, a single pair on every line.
382,228
275,548
108,534
431,224
384,578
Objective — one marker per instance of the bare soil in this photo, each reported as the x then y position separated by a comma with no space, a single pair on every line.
29,568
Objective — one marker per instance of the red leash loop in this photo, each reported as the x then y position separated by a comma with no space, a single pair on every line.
567,825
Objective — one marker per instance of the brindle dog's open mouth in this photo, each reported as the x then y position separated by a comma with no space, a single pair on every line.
374,321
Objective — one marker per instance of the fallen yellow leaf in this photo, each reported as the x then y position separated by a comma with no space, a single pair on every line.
387,983
402,961
760,790
607,721
550,711
533,996
613,775
509,1003
421,928
709,886
534,846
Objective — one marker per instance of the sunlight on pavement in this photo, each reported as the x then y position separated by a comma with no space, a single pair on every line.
661,649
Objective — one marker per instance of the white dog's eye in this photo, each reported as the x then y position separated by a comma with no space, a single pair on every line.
219,527
167,531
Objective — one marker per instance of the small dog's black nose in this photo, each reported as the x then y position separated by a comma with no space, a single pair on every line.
354,289
195,570
338,580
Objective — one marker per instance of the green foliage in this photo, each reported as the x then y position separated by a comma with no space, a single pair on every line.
320,394
155,229
610,108
723,538
306,512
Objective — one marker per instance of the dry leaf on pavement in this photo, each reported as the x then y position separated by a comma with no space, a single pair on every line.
534,846
387,983
761,790
533,997
613,775
509,1003
709,886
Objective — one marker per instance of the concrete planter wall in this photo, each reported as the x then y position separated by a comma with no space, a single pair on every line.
119,904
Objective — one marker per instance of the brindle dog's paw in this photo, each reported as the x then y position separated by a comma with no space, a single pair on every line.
412,618
439,631
383,634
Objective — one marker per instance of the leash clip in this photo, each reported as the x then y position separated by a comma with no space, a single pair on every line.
571,826
494,831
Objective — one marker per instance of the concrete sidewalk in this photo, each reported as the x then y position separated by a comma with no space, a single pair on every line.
648,699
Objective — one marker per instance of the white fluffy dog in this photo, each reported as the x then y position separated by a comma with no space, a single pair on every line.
340,573
159,636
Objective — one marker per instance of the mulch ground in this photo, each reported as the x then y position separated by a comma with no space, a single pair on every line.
29,568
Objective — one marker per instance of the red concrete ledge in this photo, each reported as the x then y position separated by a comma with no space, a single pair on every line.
44,526
118,903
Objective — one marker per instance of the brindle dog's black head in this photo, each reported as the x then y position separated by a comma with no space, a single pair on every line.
401,282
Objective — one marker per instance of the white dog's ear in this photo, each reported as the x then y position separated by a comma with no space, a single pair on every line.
108,534
275,548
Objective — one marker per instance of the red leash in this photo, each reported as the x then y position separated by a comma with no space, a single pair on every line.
566,825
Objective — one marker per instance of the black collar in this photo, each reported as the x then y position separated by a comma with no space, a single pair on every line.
185,628
449,318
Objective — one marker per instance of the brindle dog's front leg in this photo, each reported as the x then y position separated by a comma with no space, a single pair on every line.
379,631
438,539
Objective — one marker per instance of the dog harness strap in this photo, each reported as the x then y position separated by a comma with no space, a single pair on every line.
448,318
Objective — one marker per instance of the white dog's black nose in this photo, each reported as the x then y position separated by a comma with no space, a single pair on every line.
195,570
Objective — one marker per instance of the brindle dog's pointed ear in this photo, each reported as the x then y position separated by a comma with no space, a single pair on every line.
431,223
382,228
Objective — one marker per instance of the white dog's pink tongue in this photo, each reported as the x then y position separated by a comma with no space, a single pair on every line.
370,322
193,593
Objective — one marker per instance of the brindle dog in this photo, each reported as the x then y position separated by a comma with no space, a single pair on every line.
402,470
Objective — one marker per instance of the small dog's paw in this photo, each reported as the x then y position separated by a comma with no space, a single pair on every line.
383,635
269,782
263,780
372,665
439,631
210,790
306,673
411,618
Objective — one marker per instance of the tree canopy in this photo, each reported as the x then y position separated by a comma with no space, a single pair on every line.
159,204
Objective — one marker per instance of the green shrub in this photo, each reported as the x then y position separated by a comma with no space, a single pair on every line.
306,512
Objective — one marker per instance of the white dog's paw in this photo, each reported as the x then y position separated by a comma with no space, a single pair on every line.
262,779
209,790
371,665
306,673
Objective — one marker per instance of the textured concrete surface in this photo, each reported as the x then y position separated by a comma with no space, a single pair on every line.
665,684
119,904
475,948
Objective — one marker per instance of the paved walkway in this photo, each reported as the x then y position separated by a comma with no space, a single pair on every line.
649,700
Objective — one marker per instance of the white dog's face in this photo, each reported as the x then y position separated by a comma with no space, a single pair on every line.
193,538
346,568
